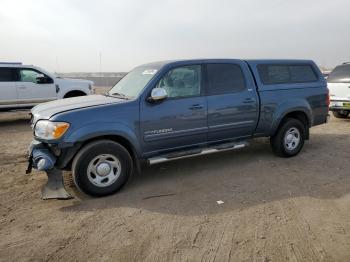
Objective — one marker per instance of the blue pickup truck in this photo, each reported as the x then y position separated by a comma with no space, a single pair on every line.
174,109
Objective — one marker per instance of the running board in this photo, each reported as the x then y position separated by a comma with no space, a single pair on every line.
196,152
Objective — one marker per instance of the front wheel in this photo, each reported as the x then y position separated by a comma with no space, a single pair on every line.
101,168
289,139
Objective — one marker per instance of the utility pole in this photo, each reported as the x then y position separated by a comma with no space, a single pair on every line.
57,69
100,64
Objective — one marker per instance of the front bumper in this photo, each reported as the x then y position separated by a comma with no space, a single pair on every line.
40,157
60,155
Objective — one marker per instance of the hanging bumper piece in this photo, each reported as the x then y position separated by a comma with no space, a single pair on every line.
42,159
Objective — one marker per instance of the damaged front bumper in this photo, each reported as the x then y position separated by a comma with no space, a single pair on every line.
42,159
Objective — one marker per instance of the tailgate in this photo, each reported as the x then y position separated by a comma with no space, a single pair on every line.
339,91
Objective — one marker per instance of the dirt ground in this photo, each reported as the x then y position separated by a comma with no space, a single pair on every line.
274,209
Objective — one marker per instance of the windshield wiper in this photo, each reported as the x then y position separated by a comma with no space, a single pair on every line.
118,95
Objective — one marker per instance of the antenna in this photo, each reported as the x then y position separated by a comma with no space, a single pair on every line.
57,67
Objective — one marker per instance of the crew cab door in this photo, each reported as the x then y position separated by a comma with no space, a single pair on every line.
32,91
232,101
8,93
180,120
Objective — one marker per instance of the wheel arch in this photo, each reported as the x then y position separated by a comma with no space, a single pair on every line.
117,132
125,142
74,93
116,138
299,114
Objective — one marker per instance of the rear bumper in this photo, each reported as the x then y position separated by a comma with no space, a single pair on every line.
339,105
337,108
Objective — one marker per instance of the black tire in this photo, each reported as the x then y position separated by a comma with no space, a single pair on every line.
277,141
338,114
83,160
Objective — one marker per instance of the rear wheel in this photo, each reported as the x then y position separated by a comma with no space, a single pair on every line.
339,114
289,139
101,168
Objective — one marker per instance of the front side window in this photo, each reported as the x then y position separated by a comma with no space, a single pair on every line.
183,81
7,74
283,74
28,75
224,79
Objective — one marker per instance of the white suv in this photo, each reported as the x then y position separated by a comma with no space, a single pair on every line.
339,90
26,86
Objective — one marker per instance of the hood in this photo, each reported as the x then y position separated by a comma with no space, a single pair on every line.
47,110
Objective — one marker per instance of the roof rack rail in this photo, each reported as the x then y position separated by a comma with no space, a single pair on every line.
345,63
10,63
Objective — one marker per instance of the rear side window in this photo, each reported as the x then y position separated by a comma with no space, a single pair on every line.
7,74
340,74
224,79
282,74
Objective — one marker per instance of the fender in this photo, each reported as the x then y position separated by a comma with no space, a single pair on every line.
289,106
98,129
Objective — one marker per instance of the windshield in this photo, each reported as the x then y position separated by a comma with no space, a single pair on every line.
133,83
340,74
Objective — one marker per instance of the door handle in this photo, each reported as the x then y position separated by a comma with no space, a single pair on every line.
22,87
196,107
248,101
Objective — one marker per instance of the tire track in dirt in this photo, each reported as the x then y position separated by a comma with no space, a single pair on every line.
298,235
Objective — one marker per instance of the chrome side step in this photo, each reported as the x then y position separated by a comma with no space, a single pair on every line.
205,151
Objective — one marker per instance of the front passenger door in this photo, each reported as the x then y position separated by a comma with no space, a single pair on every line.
30,91
179,121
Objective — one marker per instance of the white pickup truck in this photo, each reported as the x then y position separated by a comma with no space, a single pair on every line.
339,90
24,86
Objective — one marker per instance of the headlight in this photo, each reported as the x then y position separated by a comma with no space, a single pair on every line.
92,88
46,129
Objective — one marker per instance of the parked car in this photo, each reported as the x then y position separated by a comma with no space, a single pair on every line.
169,110
339,88
26,86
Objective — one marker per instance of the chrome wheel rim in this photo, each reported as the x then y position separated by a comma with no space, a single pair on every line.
104,170
292,138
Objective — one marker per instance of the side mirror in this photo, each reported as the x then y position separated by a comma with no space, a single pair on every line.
158,94
42,79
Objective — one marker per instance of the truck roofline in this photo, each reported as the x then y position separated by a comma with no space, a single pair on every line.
221,60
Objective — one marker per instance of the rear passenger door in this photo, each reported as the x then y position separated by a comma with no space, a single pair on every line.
232,101
8,93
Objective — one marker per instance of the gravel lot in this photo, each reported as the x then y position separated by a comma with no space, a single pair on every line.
274,209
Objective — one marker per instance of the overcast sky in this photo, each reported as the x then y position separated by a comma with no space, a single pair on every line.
69,35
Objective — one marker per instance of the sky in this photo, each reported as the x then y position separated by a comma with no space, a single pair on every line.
75,35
